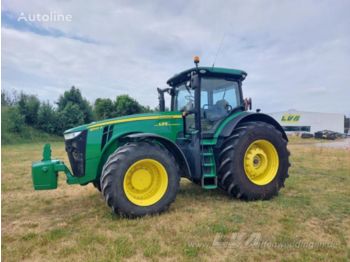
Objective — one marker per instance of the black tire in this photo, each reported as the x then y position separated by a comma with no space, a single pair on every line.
97,185
231,173
114,171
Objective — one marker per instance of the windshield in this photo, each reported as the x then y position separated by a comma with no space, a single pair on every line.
216,91
184,98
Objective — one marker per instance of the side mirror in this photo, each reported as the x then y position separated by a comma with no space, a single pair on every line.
247,104
161,100
161,97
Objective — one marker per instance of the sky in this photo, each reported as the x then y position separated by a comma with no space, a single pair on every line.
296,53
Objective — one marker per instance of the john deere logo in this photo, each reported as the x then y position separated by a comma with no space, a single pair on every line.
290,118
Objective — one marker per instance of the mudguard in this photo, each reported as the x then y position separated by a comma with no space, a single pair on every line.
250,117
170,145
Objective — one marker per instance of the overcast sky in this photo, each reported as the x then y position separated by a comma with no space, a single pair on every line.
296,53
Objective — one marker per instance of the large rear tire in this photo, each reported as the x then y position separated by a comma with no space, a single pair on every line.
253,161
140,178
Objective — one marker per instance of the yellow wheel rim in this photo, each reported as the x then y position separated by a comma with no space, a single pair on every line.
145,182
261,162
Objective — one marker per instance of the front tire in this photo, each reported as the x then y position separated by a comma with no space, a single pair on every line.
140,178
253,161
97,185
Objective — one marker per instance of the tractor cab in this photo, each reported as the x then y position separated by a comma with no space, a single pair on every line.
206,96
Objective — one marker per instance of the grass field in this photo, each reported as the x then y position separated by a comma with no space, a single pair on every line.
26,136
308,221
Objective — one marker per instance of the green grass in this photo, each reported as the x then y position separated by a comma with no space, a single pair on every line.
73,222
27,135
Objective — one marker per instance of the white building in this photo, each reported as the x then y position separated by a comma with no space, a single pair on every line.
300,121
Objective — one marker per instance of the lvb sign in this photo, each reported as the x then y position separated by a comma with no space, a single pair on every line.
290,118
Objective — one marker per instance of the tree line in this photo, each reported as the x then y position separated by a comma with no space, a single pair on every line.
72,109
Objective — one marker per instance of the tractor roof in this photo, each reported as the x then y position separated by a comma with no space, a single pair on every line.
210,71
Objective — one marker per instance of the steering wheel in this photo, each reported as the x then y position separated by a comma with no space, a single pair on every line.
228,108
189,98
205,105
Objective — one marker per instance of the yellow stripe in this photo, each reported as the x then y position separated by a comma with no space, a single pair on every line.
134,119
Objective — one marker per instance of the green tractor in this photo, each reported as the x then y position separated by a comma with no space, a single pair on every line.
208,137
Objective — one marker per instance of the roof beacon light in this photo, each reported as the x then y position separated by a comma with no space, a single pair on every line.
196,60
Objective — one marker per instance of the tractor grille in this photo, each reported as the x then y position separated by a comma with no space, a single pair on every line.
76,153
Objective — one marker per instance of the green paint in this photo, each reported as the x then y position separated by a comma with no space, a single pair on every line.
47,152
45,172
95,157
218,131
235,73
209,178
44,175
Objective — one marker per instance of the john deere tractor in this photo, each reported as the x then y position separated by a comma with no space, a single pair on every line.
209,137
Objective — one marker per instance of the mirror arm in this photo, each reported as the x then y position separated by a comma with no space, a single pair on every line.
161,98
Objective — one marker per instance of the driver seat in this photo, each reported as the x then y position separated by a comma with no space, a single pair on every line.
217,111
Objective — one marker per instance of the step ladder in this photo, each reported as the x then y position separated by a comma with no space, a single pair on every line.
209,179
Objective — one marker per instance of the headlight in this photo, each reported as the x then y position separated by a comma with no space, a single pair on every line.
71,135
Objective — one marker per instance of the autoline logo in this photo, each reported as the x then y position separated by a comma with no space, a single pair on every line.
52,16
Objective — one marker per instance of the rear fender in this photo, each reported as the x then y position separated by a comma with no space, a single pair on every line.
250,117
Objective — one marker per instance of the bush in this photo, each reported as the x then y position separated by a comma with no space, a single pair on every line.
29,107
25,112
74,97
47,118
12,120
125,105
69,117
104,108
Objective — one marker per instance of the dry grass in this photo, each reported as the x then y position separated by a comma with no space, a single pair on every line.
73,222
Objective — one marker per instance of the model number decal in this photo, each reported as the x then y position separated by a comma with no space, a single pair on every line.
166,124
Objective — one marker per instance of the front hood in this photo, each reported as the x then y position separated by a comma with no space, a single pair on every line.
76,129
123,119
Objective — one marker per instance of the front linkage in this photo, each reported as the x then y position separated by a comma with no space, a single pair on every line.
45,172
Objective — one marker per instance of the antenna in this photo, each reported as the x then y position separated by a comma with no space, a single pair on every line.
219,49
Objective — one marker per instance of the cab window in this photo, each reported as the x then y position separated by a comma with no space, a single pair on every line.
218,97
